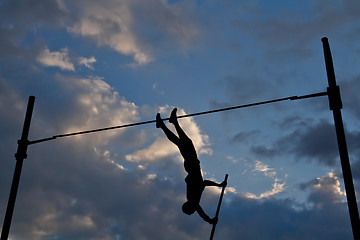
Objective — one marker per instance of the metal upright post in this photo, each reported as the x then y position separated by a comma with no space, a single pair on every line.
20,156
335,106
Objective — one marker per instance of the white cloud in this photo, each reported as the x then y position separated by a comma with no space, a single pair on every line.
277,187
62,60
160,149
261,167
87,62
96,105
329,183
325,190
125,26
58,59
109,23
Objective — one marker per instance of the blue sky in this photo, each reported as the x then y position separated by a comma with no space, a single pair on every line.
94,64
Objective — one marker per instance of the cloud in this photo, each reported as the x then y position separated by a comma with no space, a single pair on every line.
325,191
58,59
278,185
87,62
94,104
124,26
160,149
121,25
109,23
325,218
317,142
278,219
62,60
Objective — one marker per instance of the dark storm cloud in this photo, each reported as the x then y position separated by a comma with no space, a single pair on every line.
278,219
307,139
326,218
258,150
317,142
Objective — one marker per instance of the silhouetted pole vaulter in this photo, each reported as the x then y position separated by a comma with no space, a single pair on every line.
336,105
20,156
195,184
218,207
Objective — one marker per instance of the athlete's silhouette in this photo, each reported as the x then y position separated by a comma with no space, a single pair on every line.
195,184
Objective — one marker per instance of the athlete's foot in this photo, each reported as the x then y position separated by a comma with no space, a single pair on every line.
173,117
159,121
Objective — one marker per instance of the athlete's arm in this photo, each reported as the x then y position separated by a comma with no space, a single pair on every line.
204,216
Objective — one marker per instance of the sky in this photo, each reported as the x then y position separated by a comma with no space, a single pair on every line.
94,64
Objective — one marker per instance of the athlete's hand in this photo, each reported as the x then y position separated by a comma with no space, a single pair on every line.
214,221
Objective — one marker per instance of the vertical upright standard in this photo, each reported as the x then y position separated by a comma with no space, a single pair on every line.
336,105
20,156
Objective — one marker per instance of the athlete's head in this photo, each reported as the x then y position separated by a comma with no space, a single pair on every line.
188,208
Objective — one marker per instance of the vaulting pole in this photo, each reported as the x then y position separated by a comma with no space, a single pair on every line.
20,156
336,105
218,208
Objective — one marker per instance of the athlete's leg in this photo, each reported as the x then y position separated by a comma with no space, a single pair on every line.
186,146
173,120
169,134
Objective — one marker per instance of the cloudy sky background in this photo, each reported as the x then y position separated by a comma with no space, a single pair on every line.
94,64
